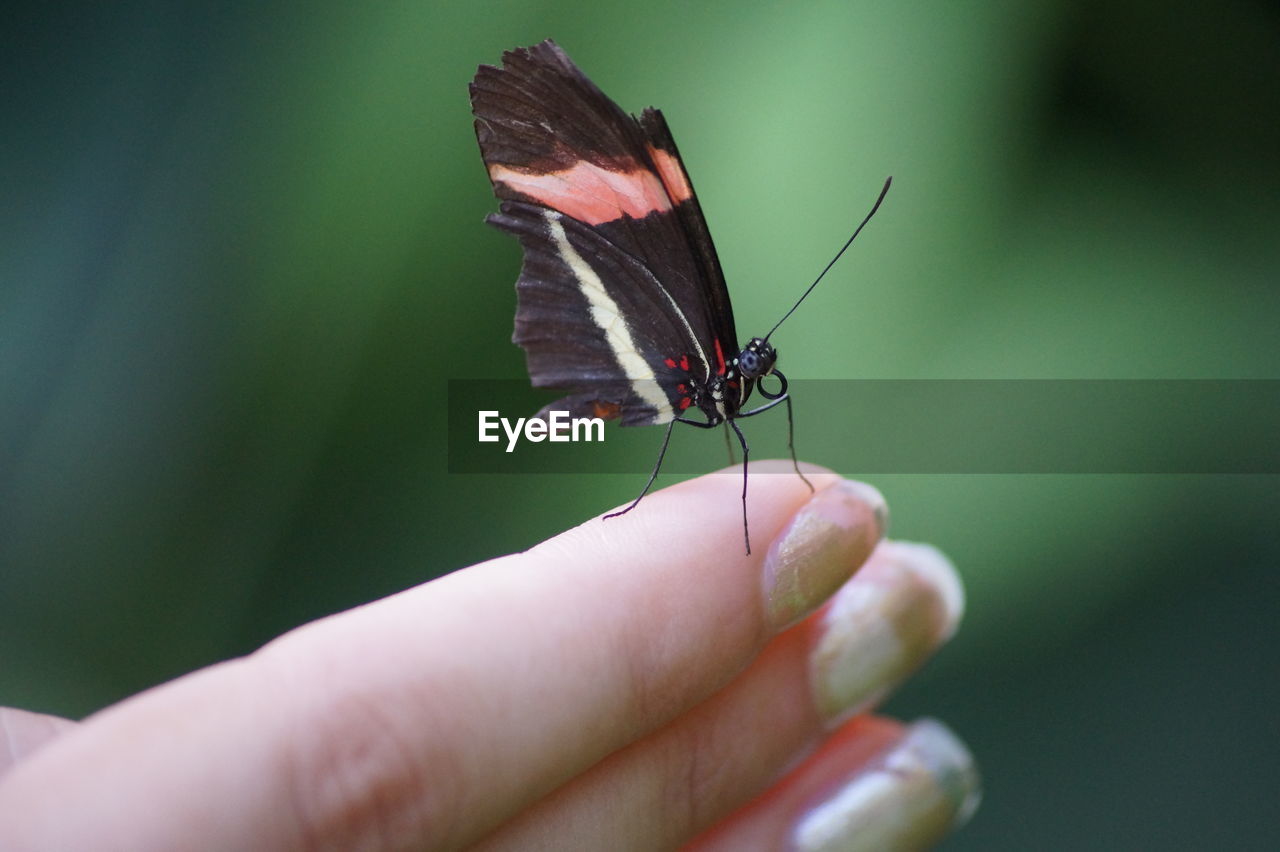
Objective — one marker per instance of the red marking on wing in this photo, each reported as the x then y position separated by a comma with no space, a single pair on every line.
684,363
606,410
589,193
670,362
681,388
719,359
685,403
672,174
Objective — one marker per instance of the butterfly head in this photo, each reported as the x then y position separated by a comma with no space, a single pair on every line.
757,359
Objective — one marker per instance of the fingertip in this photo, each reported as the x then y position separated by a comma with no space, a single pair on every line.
704,514
902,606
820,548
873,784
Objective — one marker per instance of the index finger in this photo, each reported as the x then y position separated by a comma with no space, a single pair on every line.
429,717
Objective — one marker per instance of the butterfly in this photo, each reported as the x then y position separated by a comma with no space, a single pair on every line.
621,300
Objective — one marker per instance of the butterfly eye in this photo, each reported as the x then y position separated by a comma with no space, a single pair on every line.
749,361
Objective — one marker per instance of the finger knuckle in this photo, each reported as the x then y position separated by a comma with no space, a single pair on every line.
354,780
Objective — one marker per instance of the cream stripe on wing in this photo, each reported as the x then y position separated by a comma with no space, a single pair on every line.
607,316
675,309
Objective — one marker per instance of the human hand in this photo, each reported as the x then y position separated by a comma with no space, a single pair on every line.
634,684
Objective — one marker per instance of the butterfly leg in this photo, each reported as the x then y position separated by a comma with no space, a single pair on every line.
746,451
728,446
791,429
791,444
652,476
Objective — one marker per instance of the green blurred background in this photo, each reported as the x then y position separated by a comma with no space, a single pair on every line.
242,253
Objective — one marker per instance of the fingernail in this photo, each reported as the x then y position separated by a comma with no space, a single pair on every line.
911,796
820,549
905,602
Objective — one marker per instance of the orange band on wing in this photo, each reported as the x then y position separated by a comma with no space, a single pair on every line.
672,174
589,193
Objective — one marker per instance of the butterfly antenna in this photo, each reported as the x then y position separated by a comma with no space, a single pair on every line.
856,231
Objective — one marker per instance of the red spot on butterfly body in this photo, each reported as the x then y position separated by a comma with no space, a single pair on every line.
720,368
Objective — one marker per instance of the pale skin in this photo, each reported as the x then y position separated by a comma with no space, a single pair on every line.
622,685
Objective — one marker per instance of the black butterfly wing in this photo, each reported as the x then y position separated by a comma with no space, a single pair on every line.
621,300
594,320
695,228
